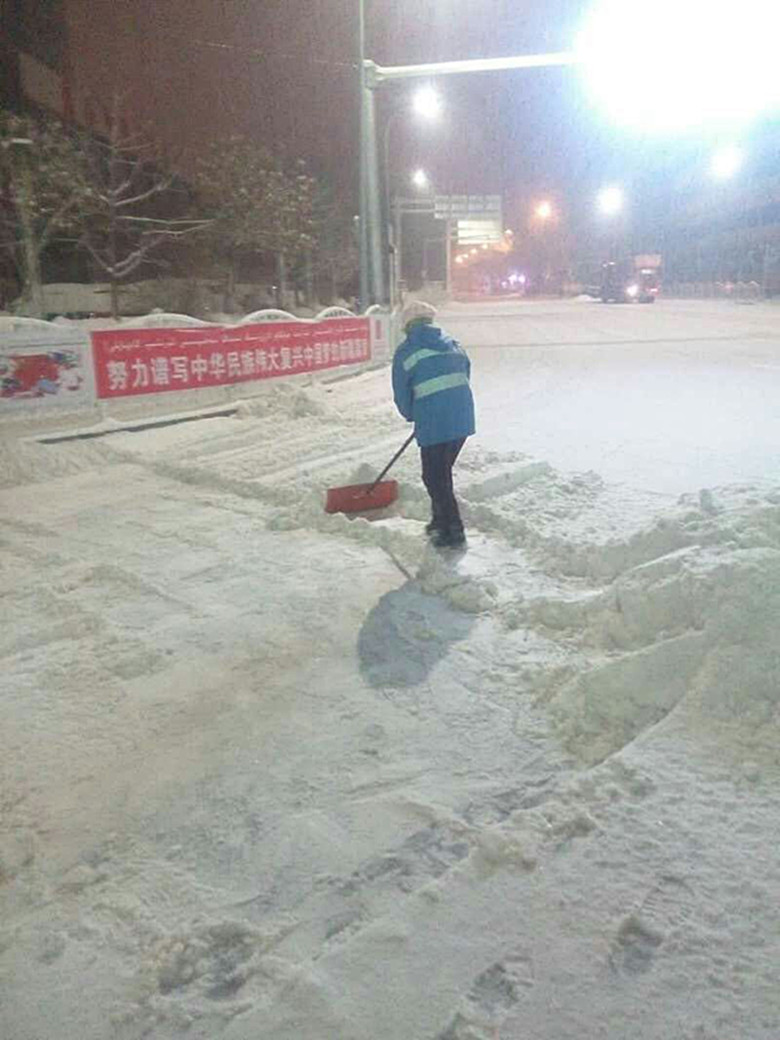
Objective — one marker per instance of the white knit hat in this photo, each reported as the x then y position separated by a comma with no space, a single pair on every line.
415,310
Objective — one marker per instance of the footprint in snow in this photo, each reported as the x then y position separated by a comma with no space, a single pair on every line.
663,911
492,996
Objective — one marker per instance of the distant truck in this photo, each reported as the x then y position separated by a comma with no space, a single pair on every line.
631,281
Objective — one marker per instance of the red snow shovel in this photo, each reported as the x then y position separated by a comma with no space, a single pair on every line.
357,497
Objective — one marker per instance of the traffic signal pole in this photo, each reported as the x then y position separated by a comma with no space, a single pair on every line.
365,279
373,247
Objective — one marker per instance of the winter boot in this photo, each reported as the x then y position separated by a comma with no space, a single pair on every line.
451,538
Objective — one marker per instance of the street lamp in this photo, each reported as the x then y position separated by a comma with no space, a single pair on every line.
727,162
610,201
682,66
420,180
427,103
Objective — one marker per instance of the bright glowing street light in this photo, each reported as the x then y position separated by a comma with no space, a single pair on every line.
427,103
610,201
727,162
685,65
420,180
675,66
544,210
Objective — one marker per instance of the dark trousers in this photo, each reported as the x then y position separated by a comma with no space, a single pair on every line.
437,463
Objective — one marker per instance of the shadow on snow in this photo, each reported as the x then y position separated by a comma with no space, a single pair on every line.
406,635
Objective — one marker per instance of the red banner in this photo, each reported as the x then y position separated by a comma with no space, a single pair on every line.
152,361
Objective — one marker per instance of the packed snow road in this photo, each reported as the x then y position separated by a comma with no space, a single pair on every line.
266,773
667,398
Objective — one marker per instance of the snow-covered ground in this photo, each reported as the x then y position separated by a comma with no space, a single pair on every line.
686,392
267,773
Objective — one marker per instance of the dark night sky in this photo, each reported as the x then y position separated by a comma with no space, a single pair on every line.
281,70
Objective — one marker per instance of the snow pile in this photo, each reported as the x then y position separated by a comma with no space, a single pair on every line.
689,629
285,401
29,462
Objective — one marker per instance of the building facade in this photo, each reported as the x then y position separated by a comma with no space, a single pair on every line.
34,56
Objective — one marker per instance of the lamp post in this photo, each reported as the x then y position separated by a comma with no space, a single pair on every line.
540,225
371,259
363,208
366,105
426,104
610,202
421,183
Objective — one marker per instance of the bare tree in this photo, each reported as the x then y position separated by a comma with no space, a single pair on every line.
126,218
43,187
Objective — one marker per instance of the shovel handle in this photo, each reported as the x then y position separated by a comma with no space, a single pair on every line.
392,462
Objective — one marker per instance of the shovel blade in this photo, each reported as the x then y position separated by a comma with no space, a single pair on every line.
357,498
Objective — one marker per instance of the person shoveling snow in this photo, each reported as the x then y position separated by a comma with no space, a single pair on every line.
431,389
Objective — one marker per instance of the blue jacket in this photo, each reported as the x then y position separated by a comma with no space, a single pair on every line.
431,386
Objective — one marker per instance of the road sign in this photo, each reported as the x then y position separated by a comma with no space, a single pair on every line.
478,232
461,207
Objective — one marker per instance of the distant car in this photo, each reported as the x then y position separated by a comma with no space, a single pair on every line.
648,285
622,284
